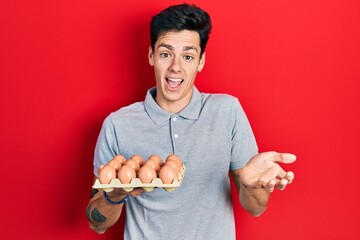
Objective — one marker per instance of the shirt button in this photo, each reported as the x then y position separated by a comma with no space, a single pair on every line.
174,119
176,135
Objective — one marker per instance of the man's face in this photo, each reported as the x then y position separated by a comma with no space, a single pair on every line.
176,60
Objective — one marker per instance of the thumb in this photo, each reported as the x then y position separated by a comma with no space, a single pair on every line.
283,157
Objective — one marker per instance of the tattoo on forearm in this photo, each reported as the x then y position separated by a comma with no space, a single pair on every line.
97,216
93,192
88,212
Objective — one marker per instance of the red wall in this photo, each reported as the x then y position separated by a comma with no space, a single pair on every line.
64,65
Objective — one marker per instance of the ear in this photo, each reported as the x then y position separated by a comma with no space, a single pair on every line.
202,62
151,57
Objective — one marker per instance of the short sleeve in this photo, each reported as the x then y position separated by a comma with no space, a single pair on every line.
243,140
106,145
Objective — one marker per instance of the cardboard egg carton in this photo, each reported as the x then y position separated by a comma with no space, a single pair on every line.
136,182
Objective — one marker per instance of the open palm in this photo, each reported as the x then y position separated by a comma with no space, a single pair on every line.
263,171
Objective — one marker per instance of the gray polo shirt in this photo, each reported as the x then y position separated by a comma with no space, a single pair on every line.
211,135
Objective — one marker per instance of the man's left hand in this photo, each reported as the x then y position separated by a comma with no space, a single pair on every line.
263,171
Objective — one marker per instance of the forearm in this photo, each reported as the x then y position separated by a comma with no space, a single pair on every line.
101,214
253,200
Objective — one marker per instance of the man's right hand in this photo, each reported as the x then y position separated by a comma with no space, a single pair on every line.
118,193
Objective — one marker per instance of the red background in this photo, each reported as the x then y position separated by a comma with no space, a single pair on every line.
65,65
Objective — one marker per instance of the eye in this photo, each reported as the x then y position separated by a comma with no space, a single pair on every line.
188,58
164,55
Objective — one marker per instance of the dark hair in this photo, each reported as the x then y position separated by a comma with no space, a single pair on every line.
181,17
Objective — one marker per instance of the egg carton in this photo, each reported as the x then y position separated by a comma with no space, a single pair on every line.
136,182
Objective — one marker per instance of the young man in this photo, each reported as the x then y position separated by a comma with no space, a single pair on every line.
209,132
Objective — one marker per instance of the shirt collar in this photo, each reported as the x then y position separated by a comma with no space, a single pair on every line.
160,116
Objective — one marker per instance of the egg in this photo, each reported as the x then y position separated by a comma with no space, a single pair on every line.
173,164
115,164
147,174
126,174
106,174
175,158
157,158
138,159
134,164
152,163
120,158
167,174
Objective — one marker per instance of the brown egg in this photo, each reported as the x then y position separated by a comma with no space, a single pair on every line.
134,164
106,174
173,163
175,158
167,174
157,158
120,158
152,163
126,174
138,159
115,164
147,174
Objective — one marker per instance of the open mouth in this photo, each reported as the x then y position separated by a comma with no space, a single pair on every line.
174,82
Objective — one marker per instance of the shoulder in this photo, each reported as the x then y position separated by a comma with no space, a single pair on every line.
219,100
125,113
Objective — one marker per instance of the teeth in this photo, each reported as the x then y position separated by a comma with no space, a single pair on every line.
177,80
174,82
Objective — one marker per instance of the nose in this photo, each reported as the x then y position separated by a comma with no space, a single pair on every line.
175,65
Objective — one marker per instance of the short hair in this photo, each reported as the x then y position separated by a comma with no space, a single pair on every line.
178,18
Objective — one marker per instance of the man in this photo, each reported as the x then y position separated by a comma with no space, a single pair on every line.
209,132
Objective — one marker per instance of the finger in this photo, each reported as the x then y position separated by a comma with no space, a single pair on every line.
137,192
259,183
269,186
283,157
280,172
290,177
120,191
274,172
282,184
271,174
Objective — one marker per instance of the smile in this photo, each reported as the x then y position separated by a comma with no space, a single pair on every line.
174,82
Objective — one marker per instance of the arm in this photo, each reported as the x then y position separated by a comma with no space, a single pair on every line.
253,200
101,214
259,177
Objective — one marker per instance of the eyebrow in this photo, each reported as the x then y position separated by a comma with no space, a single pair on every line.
186,48
168,46
172,48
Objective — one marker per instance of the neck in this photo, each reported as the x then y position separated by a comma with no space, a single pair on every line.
175,106
172,107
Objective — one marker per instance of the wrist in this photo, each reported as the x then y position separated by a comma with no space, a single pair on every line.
115,201
116,196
